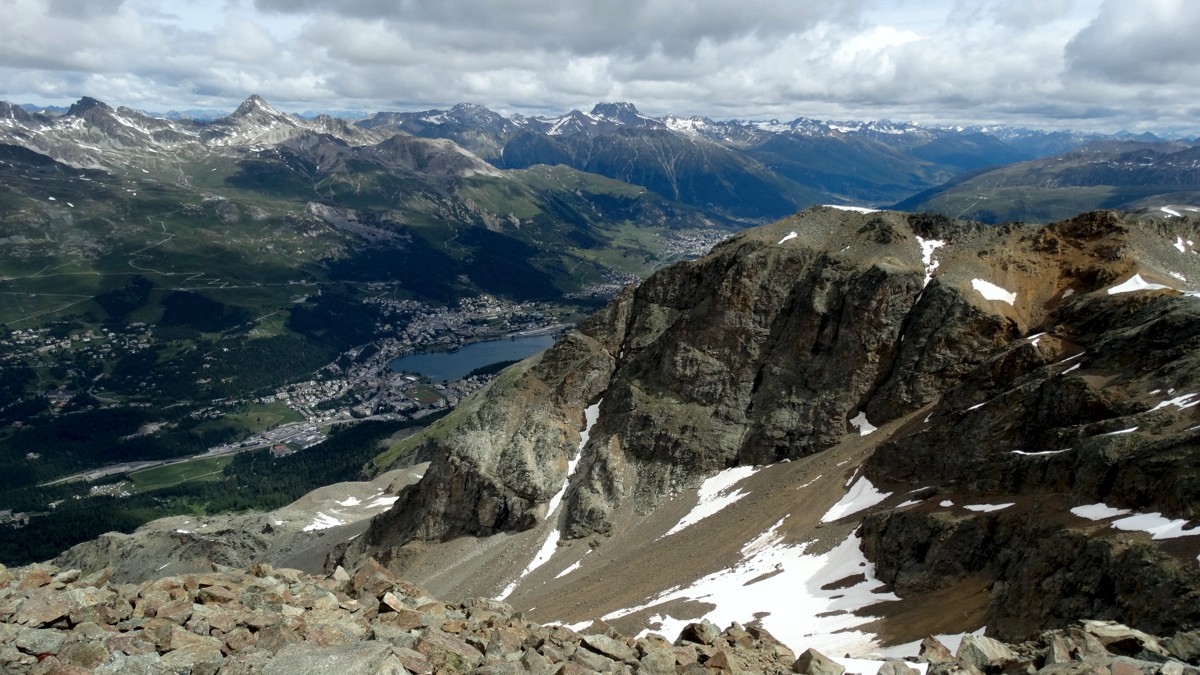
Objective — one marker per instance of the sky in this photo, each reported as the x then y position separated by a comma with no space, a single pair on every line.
1089,65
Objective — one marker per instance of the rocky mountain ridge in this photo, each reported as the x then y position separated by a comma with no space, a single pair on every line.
1048,373
269,620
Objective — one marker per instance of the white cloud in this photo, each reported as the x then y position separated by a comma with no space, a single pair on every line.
1050,63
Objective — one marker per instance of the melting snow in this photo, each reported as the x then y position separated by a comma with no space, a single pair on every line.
1135,283
714,495
991,291
349,501
1098,511
1040,452
323,522
590,415
1180,245
987,508
790,235
1170,212
977,405
945,503
382,502
860,422
573,566
909,502
1181,402
1070,369
858,209
780,581
1156,525
1130,430
863,495
928,246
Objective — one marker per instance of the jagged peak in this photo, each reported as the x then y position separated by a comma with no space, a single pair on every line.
255,104
615,109
86,105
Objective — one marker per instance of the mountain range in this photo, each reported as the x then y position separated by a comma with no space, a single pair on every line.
850,430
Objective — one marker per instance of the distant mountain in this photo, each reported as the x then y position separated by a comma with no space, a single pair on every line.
750,170
1128,175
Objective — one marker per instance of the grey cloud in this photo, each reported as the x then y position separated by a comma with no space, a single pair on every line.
629,26
1147,42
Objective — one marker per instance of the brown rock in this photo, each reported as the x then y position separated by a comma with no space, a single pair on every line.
131,643
813,662
657,662
372,580
35,578
897,668
609,647
704,632
933,651
38,641
448,653
42,608
215,595
83,654
984,652
723,662
240,639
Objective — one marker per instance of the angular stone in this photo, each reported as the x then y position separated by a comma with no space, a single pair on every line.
704,632
83,654
240,639
984,652
42,608
372,580
721,661
607,646
140,664
956,667
594,662
448,653
933,651
35,578
1185,646
38,641
184,640
657,662
215,595
411,660
897,668
813,662
131,643
175,611
340,574
1122,640
305,659
332,634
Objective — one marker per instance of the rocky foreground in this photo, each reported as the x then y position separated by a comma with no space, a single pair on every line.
282,621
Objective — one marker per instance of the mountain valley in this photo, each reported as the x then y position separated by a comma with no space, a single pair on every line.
827,427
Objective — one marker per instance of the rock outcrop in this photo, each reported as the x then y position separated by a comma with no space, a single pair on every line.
267,620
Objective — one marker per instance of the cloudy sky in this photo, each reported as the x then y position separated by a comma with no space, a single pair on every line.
1099,65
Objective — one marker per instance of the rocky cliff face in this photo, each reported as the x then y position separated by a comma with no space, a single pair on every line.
1003,347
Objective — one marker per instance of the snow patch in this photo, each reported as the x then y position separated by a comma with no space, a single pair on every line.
1135,283
322,521
1181,402
349,501
977,405
789,236
1099,511
862,495
714,495
573,566
382,502
779,583
945,503
1130,430
1156,525
1170,212
928,246
991,291
1040,452
860,422
1179,244
987,508
856,209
